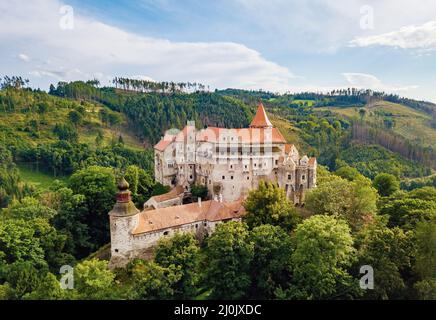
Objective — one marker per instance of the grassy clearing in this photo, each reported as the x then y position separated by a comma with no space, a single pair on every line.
302,102
39,179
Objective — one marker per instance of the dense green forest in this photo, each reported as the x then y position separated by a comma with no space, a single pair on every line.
375,203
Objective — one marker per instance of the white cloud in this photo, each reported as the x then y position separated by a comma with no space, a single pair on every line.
369,81
325,26
24,57
421,37
98,48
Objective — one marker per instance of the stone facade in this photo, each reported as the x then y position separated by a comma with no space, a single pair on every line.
230,162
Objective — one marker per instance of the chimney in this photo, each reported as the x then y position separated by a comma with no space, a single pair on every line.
199,202
221,197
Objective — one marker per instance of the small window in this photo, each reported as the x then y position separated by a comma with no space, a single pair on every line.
231,166
277,162
223,177
116,250
190,177
231,177
303,177
289,177
248,178
245,166
165,233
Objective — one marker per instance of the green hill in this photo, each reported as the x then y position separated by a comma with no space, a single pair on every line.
412,124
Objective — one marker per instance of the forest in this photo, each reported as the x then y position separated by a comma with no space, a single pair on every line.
375,202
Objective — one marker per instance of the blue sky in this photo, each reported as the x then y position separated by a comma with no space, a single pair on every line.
275,45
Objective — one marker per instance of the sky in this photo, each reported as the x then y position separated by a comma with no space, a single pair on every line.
275,45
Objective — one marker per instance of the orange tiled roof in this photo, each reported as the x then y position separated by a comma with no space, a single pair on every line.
245,135
312,160
173,193
163,218
164,142
288,148
260,120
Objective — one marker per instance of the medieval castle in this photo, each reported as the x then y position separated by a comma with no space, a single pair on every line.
229,162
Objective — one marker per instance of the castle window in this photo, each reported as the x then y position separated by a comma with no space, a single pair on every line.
116,250
248,178
277,162
245,166
165,233
190,177
224,177
289,177
231,177
303,177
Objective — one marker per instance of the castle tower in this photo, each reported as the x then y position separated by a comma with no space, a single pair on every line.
260,120
123,219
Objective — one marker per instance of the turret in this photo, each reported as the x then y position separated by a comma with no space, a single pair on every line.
123,219
261,120
124,206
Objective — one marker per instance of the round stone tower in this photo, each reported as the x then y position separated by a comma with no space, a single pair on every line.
123,218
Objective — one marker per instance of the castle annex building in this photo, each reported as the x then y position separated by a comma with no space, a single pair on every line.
135,233
230,162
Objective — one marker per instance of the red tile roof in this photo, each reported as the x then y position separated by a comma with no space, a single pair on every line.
288,148
164,142
260,120
312,160
172,194
163,218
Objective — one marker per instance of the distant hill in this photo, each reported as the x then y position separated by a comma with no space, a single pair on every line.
412,124
323,125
